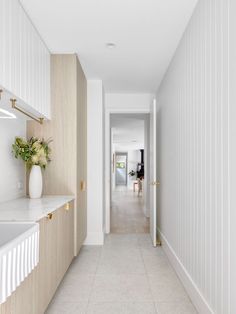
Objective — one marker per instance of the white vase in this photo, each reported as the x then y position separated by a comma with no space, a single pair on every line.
35,182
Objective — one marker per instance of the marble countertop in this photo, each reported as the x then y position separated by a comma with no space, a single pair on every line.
26,209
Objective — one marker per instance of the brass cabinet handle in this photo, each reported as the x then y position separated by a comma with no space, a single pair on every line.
82,186
67,207
49,216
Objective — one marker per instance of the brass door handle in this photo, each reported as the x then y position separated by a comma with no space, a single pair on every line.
49,216
155,183
82,186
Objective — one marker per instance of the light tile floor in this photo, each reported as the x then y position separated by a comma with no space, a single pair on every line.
125,276
127,214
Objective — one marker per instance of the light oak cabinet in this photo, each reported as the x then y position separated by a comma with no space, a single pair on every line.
24,60
67,172
65,252
56,254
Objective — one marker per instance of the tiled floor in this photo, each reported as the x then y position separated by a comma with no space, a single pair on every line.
125,276
127,214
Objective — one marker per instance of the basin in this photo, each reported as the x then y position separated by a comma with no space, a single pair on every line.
19,254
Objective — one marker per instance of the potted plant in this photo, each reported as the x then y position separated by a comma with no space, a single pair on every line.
132,173
35,153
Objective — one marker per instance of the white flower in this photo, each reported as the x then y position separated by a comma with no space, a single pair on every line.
35,159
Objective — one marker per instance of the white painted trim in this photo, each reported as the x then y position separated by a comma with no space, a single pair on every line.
94,238
108,112
197,298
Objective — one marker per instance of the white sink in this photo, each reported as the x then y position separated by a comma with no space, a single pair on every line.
19,254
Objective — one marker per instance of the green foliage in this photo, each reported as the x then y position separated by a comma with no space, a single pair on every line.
33,152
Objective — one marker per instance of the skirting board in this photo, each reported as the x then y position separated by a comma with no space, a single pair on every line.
94,238
193,291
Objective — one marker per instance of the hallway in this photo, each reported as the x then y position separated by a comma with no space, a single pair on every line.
127,214
125,276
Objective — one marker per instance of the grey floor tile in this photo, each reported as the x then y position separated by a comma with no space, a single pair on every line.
167,288
121,288
122,308
155,264
85,263
122,261
176,308
75,288
67,308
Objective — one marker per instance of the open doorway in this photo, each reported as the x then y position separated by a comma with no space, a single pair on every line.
129,173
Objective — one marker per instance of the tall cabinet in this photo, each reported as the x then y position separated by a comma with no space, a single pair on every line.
67,172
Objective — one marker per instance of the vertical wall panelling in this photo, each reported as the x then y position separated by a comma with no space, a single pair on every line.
232,155
193,115
24,59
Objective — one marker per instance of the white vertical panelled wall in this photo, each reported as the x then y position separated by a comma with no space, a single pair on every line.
193,158
232,150
24,59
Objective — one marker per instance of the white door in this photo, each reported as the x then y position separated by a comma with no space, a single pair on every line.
153,173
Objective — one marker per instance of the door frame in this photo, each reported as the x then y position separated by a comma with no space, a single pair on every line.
108,154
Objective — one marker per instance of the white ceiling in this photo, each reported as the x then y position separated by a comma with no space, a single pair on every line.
146,33
128,131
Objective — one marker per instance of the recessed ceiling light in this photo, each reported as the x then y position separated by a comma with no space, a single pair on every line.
4,114
110,45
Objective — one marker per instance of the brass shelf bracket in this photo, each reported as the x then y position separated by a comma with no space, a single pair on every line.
14,106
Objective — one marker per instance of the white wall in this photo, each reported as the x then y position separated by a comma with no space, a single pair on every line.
193,133
95,163
120,102
12,171
232,150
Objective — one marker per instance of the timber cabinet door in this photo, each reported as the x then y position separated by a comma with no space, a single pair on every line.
65,237
47,270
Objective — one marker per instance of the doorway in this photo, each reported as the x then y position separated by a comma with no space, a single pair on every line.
150,182
129,154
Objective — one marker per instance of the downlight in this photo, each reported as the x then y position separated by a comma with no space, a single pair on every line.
111,45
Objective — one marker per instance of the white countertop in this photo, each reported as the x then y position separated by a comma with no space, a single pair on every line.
26,209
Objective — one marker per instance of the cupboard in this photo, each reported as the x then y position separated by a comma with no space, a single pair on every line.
24,60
